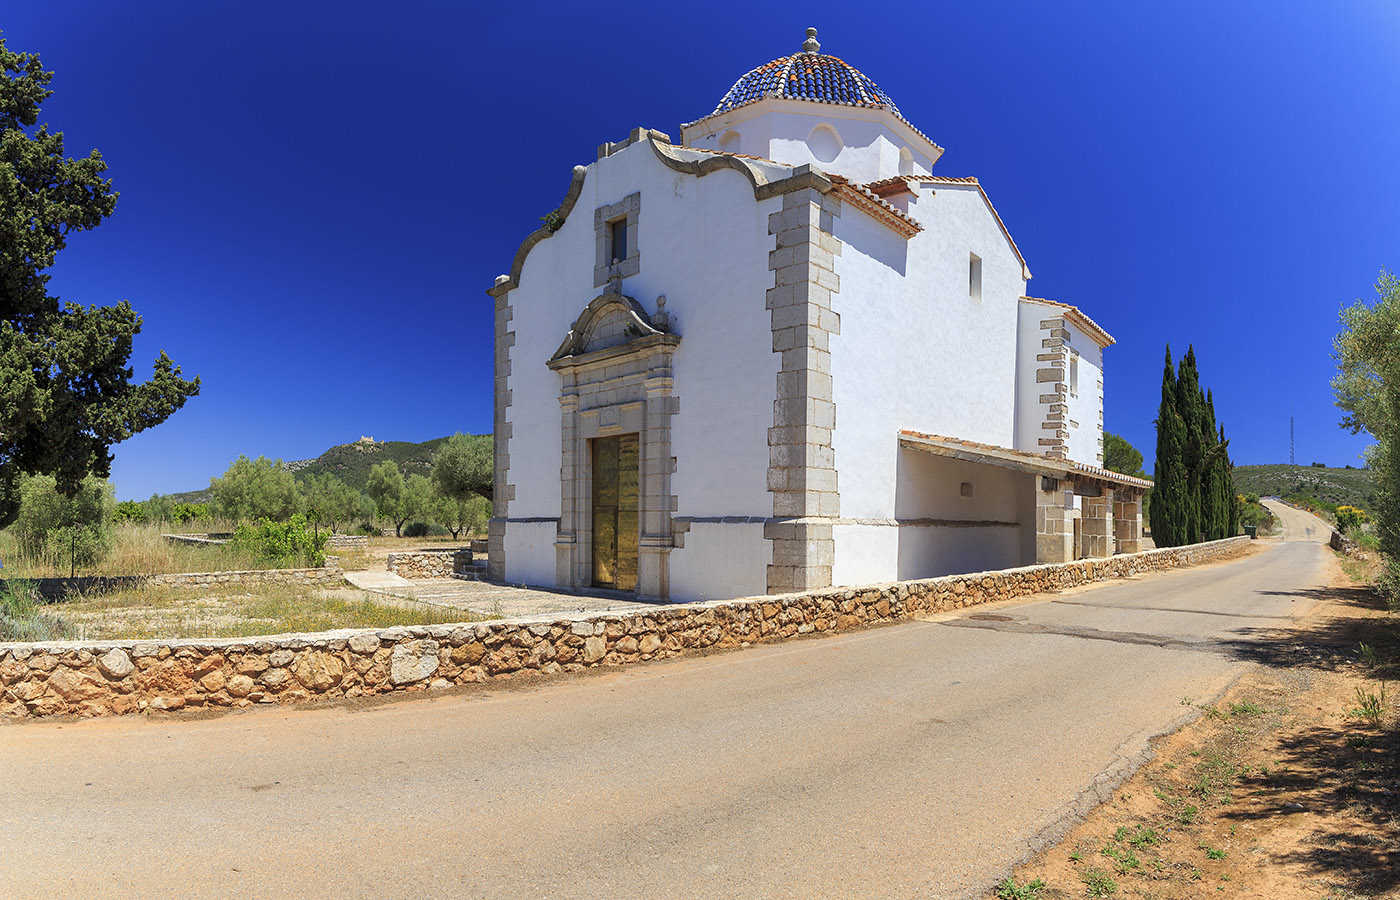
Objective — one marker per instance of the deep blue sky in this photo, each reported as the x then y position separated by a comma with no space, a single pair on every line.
315,196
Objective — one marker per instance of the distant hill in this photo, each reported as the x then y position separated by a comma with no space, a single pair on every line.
351,463
1352,487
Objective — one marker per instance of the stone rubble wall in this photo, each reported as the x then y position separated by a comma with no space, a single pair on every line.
216,539
61,588
328,574
347,542
96,678
1346,546
430,563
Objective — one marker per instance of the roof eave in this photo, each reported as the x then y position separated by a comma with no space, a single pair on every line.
760,104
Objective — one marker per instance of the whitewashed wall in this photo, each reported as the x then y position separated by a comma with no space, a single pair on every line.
703,243
868,148
1030,413
915,351
721,560
1085,407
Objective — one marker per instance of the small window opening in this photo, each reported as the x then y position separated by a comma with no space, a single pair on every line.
1074,374
974,276
619,240
965,489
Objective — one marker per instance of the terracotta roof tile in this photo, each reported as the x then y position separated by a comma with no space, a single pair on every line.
1034,459
864,198
1078,317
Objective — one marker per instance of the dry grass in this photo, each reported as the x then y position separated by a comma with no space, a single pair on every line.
237,611
136,550
1289,787
141,550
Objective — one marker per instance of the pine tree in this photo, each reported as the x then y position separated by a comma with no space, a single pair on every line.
1190,406
1167,510
66,388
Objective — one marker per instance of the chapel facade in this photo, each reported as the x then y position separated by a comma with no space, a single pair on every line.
780,353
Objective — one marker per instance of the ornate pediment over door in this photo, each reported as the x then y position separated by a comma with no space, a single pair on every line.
611,321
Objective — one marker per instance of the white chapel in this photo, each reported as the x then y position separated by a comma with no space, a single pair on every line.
780,353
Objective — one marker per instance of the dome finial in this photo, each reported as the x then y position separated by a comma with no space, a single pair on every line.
811,45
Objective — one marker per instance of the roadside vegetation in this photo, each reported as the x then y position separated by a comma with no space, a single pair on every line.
1255,513
268,518
1286,787
1309,485
1193,498
1367,388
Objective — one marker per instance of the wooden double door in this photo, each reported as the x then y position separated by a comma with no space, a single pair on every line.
616,495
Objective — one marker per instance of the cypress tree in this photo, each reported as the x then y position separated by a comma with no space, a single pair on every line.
1232,526
1213,514
1166,512
1190,406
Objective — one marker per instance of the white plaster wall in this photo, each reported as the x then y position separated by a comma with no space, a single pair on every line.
721,560
915,351
1029,411
930,487
865,554
1087,407
703,243
871,139
530,553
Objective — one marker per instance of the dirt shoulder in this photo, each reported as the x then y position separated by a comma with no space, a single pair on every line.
1287,786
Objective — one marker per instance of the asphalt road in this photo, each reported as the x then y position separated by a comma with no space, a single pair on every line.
917,760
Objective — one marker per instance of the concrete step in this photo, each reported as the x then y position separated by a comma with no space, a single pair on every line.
475,572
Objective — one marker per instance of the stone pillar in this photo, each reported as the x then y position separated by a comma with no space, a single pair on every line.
801,462
1127,519
657,501
1098,525
502,491
575,525
1054,521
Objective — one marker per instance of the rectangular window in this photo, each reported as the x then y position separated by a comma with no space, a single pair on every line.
619,240
1074,374
974,276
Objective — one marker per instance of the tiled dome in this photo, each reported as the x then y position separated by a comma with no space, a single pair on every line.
809,75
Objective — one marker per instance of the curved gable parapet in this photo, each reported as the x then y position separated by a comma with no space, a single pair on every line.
609,320
802,177
552,223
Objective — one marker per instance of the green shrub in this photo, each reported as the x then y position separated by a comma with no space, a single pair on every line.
21,618
1349,518
283,545
185,513
129,511
73,532
415,529
1388,584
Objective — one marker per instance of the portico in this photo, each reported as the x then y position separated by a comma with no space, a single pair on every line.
1080,511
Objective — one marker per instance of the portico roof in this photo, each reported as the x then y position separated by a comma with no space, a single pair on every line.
1021,460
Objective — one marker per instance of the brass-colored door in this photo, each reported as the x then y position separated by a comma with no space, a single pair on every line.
616,481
